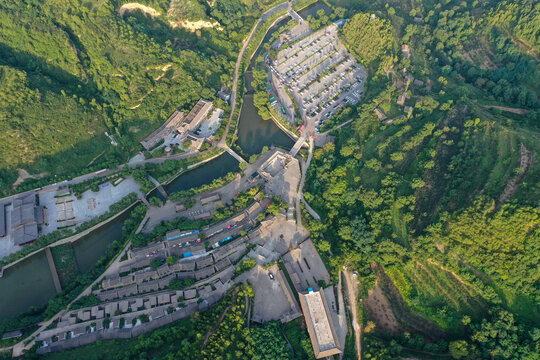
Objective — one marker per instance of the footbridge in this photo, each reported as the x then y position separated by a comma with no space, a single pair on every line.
295,15
232,152
297,146
159,186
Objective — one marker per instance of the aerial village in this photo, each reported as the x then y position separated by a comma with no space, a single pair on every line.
186,271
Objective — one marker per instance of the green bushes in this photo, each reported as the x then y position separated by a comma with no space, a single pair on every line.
242,201
244,266
176,284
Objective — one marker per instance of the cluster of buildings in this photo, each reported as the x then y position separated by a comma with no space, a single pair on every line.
138,296
22,219
404,81
184,128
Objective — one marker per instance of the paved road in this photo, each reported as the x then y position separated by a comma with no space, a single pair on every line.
264,16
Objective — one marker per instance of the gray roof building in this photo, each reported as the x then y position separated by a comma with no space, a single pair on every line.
108,295
25,218
2,220
172,123
111,308
149,286
204,273
320,325
205,261
127,291
190,294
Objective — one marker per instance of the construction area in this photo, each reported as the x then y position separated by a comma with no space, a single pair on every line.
320,74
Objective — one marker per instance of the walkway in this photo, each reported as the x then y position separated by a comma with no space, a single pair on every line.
351,284
232,152
295,15
337,127
158,186
297,146
300,192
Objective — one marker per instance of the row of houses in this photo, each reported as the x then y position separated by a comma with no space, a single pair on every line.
148,280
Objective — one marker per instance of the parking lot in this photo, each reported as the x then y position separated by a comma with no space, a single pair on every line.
272,300
305,267
321,75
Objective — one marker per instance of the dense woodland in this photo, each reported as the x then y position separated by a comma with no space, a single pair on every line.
72,70
438,207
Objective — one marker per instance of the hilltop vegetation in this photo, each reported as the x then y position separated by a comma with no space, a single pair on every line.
72,70
436,207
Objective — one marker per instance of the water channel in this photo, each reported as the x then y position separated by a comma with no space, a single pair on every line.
29,283
204,174
90,248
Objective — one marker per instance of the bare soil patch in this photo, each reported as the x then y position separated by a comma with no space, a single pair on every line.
379,310
136,6
23,175
387,308
525,162
195,25
509,109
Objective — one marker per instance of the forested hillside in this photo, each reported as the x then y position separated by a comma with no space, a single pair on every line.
436,205
72,70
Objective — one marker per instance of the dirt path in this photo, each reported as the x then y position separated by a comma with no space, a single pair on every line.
214,329
23,175
352,291
509,109
525,162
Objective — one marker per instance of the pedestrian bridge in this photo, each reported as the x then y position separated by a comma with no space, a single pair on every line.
232,152
295,15
297,146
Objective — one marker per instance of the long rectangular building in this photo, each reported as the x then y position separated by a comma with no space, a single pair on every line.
3,230
320,325
195,117
172,123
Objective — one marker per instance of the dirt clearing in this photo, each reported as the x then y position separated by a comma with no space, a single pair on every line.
195,25
136,6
